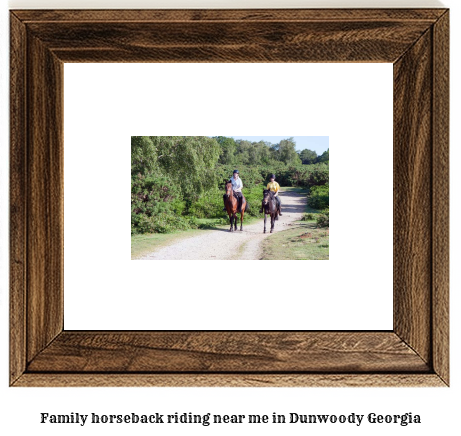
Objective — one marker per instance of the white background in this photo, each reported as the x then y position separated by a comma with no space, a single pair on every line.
20,408
107,103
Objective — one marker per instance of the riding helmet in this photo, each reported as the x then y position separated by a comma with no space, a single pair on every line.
236,171
272,176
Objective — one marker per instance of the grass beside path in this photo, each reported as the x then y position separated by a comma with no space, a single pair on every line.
304,241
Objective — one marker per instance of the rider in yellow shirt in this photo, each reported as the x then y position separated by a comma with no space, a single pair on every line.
275,187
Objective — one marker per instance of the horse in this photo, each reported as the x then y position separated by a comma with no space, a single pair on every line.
231,205
270,207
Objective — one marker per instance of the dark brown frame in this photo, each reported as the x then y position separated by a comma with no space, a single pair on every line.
414,353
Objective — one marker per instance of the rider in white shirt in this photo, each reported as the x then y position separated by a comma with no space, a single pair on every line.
237,186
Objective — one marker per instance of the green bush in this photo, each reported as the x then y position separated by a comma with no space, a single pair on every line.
319,197
208,205
318,175
161,223
323,219
308,217
254,197
156,205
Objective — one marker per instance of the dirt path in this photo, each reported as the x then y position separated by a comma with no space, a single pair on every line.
220,244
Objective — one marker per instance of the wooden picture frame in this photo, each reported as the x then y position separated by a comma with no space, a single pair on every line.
414,353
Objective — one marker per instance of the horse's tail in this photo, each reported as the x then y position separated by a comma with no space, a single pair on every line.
246,206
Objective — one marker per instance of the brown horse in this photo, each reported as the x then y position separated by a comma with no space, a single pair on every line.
269,205
231,205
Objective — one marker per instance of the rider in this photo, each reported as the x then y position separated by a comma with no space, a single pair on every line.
237,186
274,187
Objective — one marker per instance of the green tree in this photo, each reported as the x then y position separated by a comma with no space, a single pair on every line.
324,157
287,152
189,161
244,152
274,151
308,156
143,155
228,149
263,152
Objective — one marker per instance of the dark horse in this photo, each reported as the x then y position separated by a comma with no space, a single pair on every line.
231,205
269,205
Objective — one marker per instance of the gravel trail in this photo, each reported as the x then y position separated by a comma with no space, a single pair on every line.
220,244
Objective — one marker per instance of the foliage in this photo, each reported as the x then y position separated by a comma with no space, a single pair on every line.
153,194
303,175
324,157
317,174
160,223
287,152
208,205
188,161
308,217
323,219
308,156
319,197
143,155
228,149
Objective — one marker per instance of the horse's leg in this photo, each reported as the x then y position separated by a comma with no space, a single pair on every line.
241,218
235,221
272,222
231,222
265,217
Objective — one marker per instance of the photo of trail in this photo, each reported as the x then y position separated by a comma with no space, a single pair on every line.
179,193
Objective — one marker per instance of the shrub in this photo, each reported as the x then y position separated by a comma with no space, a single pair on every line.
254,197
319,197
161,223
323,219
319,175
208,205
156,205
308,217
307,175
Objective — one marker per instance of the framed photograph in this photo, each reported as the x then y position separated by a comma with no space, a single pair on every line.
415,352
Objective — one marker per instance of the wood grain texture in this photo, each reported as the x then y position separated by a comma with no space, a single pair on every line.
45,236
224,351
310,41
414,354
18,211
413,196
230,380
205,15
441,195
